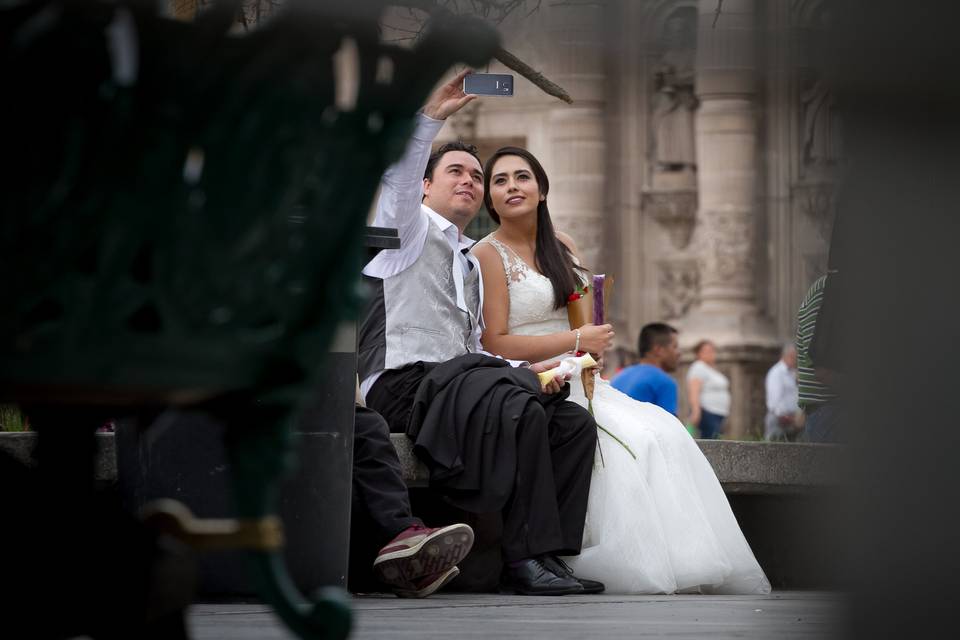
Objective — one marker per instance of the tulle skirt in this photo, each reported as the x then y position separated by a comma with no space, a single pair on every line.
657,519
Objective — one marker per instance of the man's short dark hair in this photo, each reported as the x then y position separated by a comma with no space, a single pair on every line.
652,335
444,148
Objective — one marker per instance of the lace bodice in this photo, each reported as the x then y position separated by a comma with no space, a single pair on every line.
531,296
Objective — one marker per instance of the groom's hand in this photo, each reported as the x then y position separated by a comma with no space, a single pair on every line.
447,99
556,383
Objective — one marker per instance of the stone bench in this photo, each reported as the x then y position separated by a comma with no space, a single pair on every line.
770,468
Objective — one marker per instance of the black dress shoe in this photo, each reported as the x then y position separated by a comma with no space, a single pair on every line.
561,568
533,578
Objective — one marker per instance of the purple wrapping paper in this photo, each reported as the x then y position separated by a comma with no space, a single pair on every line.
598,299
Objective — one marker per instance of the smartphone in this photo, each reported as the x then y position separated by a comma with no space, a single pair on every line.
488,84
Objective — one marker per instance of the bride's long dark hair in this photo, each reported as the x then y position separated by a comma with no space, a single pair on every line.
553,258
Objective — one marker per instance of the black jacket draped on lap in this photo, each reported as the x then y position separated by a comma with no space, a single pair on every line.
464,426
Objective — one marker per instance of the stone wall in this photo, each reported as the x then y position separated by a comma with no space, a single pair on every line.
697,165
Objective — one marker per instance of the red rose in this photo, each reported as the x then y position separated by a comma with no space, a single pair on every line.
573,296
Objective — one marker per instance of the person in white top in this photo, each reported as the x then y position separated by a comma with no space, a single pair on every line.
784,419
657,518
708,392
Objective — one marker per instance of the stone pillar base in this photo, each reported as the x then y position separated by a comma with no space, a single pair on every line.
725,327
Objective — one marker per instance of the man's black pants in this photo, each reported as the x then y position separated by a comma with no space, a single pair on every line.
381,504
547,509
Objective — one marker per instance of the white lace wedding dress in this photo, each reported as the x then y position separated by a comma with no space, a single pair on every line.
656,523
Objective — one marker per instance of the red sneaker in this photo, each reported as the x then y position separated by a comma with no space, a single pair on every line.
419,552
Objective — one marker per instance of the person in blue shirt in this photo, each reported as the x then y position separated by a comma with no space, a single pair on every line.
649,381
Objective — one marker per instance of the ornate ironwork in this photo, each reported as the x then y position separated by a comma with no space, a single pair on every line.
183,213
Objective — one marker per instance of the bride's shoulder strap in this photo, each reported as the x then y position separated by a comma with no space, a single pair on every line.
513,265
501,249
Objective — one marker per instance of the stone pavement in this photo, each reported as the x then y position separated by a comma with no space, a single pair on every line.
782,615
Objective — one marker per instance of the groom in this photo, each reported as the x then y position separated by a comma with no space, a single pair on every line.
492,437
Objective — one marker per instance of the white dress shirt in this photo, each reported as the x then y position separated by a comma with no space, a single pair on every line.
782,393
400,207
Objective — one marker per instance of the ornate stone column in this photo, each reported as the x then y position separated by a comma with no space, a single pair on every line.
726,132
577,136
728,223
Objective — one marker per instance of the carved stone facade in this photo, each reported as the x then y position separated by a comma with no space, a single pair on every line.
719,232
725,255
464,122
679,287
675,210
817,201
674,102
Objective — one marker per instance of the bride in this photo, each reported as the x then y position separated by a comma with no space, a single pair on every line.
658,520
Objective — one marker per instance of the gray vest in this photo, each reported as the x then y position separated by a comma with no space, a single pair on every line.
413,316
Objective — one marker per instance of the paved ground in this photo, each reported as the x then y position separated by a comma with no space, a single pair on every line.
782,615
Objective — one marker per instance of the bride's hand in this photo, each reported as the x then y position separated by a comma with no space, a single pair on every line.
596,338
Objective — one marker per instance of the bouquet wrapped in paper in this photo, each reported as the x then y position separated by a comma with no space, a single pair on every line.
571,365
581,310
